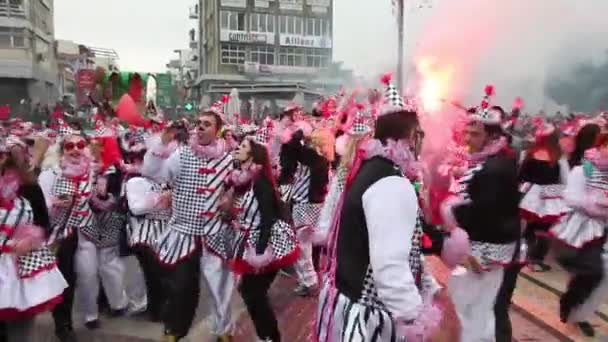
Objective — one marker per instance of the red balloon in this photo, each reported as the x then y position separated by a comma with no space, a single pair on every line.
127,111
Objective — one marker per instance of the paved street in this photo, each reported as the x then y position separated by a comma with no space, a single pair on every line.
534,315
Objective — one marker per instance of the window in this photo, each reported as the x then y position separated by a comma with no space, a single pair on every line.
325,32
299,26
233,54
291,57
317,58
283,24
291,25
263,55
310,26
234,21
224,15
241,21
317,27
12,37
260,22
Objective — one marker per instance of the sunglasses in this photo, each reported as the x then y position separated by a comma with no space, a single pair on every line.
70,145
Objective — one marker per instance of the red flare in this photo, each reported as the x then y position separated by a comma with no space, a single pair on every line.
485,104
386,79
225,99
489,90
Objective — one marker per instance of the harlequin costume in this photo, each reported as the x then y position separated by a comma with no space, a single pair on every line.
542,204
197,174
362,299
74,182
262,242
474,207
32,283
581,236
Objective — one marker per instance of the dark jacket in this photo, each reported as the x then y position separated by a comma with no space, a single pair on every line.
295,152
493,214
33,194
268,203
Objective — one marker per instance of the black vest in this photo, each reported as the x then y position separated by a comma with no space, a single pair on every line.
353,242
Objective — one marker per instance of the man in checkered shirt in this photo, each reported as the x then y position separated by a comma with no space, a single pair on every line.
196,172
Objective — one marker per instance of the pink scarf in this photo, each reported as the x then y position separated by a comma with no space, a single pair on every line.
75,167
213,150
490,149
398,152
243,177
9,188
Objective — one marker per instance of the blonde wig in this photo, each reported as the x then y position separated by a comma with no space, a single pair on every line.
323,140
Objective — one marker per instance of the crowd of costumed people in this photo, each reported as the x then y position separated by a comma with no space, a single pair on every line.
339,197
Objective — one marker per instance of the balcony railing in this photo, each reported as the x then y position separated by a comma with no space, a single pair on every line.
11,10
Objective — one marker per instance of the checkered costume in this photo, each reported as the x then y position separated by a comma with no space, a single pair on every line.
65,222
144,230
29,281
196,193
108,225
108,222
246,232
370,297
487,253
297,191
351,305
369,313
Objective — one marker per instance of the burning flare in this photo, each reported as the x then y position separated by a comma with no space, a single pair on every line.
434,83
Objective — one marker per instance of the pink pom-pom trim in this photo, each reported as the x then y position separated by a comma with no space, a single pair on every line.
29,232
424,327
386,79
455,248
518,103
489,90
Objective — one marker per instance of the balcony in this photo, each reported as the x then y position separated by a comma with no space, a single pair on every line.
12,10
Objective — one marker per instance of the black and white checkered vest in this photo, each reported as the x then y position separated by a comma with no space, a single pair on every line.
196,192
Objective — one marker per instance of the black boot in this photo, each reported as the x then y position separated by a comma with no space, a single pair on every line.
66,334
586,329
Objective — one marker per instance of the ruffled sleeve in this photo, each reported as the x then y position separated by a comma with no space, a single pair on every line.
389,201
140,198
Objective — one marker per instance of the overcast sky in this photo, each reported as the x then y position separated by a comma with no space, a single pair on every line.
512,44
146,43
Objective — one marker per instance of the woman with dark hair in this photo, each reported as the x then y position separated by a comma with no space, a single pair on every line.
585,139
305,169
263,241
30,282
582,234
543,175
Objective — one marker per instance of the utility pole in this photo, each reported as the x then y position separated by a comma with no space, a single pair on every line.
202,50
400,23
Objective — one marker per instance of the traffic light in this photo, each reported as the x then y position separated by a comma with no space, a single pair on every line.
189,106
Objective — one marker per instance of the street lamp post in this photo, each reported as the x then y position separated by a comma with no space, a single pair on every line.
400,24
